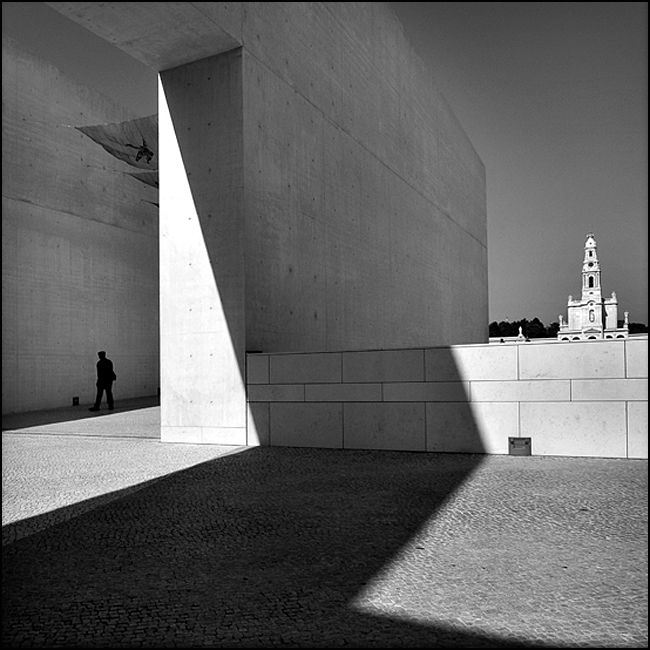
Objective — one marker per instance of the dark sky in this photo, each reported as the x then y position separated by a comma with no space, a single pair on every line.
554,97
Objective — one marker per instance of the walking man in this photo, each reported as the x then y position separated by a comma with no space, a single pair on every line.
105,378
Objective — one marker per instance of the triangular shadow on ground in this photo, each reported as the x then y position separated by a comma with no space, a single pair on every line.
241,551
272,546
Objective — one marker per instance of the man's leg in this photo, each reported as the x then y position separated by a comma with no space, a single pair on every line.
109,396
98,399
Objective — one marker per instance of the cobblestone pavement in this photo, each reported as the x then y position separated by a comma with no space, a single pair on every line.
269,547
47,479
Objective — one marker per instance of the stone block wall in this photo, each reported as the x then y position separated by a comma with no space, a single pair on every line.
587,398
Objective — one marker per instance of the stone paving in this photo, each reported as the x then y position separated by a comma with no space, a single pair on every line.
50,479
132,418
271,547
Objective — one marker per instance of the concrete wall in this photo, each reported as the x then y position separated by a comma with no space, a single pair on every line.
358,218
79,246
364,199
572,399
202,252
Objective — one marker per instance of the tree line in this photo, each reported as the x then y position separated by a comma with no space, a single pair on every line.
535,329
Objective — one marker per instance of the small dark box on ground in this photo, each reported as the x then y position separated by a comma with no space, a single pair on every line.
519,446
75,401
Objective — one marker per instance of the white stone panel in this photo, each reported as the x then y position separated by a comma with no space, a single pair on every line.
582,359
479,428
257,369
305,368
609,389
520,391
575,428
637,428
343,393
384,426
441,391
276,393
258,424
307,425
636,357
471,363
383,365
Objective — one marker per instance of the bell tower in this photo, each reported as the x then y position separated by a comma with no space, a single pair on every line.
591,288
591,316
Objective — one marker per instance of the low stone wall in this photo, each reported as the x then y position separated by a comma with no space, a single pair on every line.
587,398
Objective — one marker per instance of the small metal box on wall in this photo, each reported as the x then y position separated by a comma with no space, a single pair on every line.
519,446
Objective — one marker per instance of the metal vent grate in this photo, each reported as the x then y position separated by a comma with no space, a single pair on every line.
519,446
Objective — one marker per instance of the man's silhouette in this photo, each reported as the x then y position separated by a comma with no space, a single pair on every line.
105,378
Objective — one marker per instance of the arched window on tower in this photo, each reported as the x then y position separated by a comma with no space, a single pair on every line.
591,281
592,316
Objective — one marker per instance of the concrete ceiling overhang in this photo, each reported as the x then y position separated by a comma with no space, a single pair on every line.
162,35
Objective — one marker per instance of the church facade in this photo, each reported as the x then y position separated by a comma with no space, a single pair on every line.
591,316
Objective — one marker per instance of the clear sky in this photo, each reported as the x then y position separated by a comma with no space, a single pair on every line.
554,97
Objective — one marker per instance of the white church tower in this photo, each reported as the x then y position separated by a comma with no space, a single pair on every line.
591,316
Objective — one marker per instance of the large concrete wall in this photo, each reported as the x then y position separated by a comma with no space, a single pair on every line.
79,246
588,398
338,205
316,194
364,199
